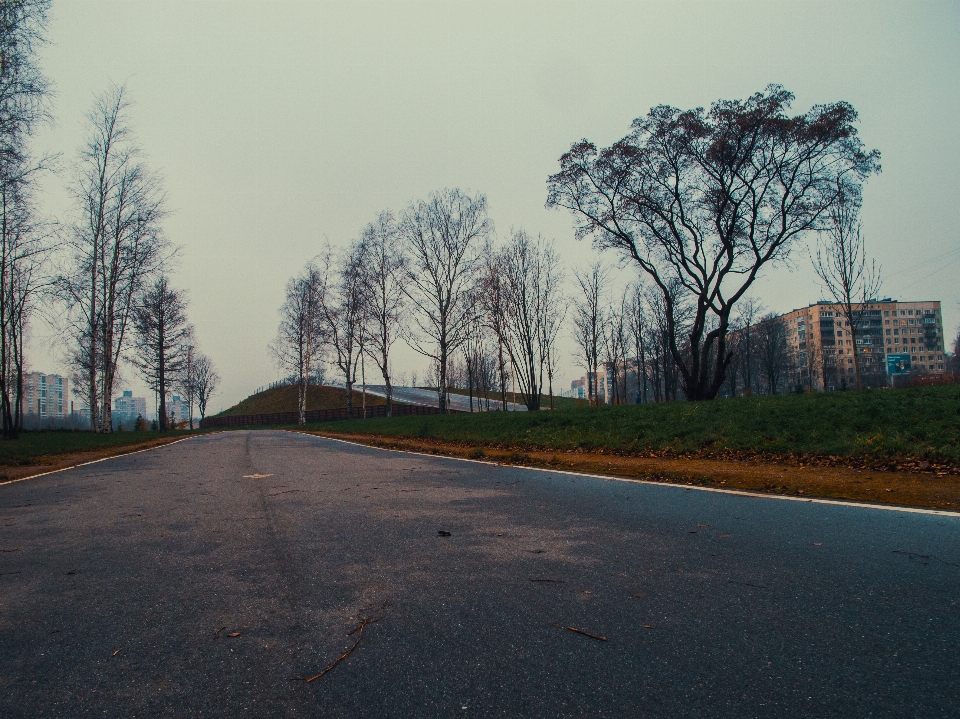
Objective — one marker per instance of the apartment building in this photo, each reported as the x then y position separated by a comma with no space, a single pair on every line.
178,409
822,346
126,409
45,395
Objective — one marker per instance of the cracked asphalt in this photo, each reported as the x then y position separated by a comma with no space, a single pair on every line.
212,576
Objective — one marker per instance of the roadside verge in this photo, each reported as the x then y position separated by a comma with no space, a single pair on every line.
912,489
47,464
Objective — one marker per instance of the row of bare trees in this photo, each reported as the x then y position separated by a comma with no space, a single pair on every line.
434,277
625,334
99,279
120,304
25,241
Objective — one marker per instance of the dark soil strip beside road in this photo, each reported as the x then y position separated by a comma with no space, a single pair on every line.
929,490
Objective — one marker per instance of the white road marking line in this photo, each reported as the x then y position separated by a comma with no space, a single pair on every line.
614,478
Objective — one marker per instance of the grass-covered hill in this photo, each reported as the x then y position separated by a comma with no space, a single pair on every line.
284,399
877,425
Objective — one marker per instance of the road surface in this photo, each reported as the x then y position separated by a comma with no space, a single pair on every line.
211,576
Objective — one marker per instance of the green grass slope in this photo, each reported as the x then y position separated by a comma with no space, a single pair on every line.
284,399
920,422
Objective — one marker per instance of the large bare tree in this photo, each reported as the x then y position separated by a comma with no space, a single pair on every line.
844,269
117,245
707,199
163,339
442,237
383,297
299,344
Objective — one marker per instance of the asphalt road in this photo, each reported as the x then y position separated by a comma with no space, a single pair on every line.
122,582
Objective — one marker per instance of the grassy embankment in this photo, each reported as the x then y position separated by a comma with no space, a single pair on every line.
284,399
882,426
47,450
892,446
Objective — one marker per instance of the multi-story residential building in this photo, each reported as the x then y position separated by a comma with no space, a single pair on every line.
45,395
126,409
178,409
822,346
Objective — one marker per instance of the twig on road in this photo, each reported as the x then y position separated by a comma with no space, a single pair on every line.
356,630
587,634
552,581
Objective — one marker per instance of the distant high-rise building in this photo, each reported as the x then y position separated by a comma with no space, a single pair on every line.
45,395
126,408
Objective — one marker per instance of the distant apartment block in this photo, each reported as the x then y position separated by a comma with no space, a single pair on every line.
178,409
45,395
820,339
126,408
818,351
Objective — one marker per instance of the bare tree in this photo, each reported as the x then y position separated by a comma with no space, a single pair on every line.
24,245
843,268
23,88
298,347
747,314
472,346
666,316
615,350
493,299
117,245
526,265
772,351
442,236
163,337
554,307
344,314
588,322
383,277
638,329
206,381
707,199
187,380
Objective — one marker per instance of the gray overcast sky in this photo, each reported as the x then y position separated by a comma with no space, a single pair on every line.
277,125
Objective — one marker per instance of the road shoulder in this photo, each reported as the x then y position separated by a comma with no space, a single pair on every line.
927,490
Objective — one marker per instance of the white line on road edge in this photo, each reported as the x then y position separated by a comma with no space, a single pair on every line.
613,478
94,461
